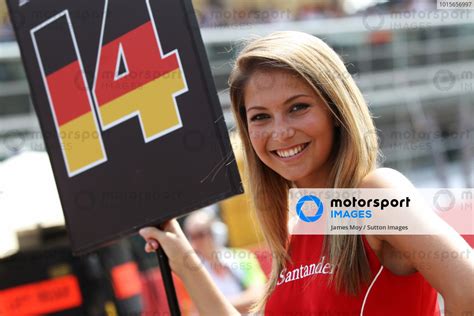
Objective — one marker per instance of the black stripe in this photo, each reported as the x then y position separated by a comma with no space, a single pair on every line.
55,45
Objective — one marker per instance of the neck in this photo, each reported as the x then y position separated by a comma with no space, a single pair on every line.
311,183
318,180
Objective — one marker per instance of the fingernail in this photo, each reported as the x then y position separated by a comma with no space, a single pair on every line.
153,244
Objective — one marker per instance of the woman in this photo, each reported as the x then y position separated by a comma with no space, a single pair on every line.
304,123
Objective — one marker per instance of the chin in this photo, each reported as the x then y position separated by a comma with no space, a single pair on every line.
291,177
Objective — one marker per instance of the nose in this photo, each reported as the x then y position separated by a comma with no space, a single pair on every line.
282,131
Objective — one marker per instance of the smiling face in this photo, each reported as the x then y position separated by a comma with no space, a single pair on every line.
291,128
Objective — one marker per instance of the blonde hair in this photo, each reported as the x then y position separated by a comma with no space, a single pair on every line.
355,147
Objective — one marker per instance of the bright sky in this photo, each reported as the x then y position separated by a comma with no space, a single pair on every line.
352,6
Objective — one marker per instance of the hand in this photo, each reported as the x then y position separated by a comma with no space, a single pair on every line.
181,255
186,264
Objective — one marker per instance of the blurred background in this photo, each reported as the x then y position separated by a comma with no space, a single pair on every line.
413,63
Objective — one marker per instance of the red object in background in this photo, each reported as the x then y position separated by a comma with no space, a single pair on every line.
264,257
126,280
43,297
154,295
380,37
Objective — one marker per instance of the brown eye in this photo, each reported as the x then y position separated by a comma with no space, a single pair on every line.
299,107
259,117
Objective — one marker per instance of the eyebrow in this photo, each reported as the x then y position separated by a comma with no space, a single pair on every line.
287,101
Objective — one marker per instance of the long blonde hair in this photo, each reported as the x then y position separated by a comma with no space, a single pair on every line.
355,147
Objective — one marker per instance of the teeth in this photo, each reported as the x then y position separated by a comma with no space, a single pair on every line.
290,152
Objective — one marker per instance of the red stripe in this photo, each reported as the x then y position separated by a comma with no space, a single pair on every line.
68,94
143,59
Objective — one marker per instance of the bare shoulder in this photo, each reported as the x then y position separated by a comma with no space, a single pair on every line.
385,178
422,252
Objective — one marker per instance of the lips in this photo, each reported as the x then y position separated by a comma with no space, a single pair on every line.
290,152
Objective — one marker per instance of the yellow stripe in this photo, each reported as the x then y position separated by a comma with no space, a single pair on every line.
153,100
81,142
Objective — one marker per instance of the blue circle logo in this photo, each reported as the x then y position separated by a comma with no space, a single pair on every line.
316,201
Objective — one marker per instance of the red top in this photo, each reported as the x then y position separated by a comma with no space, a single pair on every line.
302,287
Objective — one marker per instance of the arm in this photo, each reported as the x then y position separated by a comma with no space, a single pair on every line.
244,301
447,266
187,265
253,280
447,262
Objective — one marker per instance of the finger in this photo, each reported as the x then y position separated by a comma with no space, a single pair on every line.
151,245
168,226
173,226
148,247
149,233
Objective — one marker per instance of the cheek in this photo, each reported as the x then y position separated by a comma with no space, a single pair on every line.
258,140
322,129
326,136
328,143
